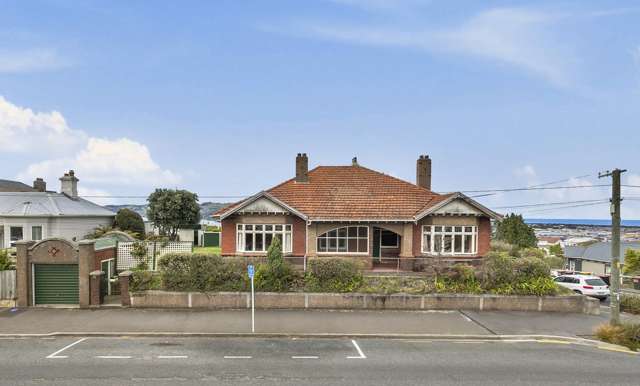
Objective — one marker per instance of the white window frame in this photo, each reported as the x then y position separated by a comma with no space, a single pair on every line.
357,237
41,232
243,229
449,230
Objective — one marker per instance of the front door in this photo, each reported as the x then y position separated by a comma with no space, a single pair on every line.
376,243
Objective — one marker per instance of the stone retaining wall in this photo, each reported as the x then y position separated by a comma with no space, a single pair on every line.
355,301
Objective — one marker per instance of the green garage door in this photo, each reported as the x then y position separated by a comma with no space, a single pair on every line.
56,283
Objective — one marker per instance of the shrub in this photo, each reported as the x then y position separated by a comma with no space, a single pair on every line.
528,268
201,272
498,270
630,304
144,280
276,275
5,261
394,285
139,252
333,275
460,278
129,221
625,334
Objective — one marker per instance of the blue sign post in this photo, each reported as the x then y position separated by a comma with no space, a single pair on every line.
251,272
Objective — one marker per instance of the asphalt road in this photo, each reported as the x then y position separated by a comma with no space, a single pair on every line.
252,361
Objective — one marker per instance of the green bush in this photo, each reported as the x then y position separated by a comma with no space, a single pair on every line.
625,334
5,260
396,284
460,278
201,272
528,268
144,280
333,275
276,275
529,275
128,220
630,304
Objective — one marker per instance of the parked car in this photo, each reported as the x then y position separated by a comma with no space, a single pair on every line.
584,284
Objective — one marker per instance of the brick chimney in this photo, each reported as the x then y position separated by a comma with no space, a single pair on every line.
302,168
423,172
69,184
354,161
40,185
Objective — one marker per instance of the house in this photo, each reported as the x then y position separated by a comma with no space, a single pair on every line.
33,213
353,211
596,257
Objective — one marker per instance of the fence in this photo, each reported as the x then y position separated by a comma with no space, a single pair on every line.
210,239
155,250
7,285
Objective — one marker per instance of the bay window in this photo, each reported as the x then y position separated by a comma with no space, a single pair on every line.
349,239
258,237
449,240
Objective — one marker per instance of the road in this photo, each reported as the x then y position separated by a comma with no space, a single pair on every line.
287,361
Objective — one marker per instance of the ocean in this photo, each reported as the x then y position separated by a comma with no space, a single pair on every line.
565,221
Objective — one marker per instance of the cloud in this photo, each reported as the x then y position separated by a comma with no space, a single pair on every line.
32,60
97,161
527,171
22,130
513,36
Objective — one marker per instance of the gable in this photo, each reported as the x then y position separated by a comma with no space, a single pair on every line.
458,207
263,205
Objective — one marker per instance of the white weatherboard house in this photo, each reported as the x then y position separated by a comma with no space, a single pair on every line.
34,213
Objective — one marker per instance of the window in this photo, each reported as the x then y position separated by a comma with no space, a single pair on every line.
258,237
36,233
389,239
15,233
449,240
351,239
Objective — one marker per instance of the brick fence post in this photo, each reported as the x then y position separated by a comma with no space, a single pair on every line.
124,279
95,281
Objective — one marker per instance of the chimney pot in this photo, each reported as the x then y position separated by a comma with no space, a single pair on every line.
423,172
302,168
354,161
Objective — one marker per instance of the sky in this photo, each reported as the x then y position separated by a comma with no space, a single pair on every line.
219,96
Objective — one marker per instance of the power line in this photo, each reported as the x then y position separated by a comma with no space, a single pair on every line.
547,204
540,188
566,207
559,181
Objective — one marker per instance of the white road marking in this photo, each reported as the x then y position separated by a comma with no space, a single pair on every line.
304,357
113,356
468,319
360,353
172,356
237,357
55,354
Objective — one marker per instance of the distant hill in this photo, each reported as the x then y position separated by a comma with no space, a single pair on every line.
206,208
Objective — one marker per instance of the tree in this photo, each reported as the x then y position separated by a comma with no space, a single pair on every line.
513,230
171,210
631,262
556,250
128,220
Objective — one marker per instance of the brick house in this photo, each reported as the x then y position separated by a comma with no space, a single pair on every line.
353,211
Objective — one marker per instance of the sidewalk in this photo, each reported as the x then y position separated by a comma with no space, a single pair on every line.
293,322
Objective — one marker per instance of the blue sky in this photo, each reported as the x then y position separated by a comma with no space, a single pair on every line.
218,96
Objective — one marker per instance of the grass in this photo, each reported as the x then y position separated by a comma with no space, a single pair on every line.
630,304
625,334
207,250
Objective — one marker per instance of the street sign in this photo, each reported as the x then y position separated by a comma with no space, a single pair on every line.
250,271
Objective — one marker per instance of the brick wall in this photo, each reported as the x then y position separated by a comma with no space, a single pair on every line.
484,236
104,254
299,236
228,244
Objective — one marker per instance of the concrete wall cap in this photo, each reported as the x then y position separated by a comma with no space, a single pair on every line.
125,273
96,273
86,242
73,245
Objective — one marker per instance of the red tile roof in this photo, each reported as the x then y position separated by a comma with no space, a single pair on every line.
351,193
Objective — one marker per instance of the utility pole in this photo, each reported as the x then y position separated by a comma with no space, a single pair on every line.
615,242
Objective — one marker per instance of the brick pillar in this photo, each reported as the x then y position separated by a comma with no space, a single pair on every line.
86,262
23,273
95,280
124,278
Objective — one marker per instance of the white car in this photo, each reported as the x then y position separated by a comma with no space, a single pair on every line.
584,284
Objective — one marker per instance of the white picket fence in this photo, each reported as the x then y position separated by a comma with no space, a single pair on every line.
155,250
7,285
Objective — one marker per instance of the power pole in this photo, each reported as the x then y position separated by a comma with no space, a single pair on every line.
615,242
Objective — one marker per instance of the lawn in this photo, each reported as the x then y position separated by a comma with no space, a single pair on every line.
207,250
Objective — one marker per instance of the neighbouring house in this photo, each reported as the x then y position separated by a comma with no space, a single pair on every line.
545,242
353,211
33,213
596,257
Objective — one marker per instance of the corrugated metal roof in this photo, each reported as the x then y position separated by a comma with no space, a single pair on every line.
598,251
48,204
14,186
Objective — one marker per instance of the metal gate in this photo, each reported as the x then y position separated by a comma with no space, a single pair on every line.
55,284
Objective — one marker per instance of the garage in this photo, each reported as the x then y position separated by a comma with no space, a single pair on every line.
55,284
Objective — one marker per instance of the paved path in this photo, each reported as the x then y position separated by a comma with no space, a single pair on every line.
284,361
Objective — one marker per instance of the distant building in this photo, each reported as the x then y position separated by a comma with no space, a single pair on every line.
33,213
596,257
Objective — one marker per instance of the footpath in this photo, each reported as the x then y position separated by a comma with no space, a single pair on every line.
130,321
